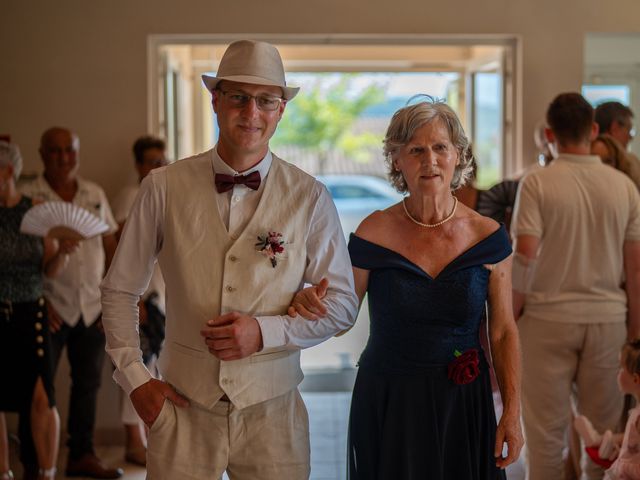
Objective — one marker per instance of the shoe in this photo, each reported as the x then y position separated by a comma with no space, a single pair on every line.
88,465
8,475
47,473
137,456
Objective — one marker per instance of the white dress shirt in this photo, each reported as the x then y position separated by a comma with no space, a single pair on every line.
75,292
121,207
327,256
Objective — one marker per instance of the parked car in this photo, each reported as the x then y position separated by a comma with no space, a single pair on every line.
356,196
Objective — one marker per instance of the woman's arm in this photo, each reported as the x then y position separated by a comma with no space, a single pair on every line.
505,350
308,301
361,282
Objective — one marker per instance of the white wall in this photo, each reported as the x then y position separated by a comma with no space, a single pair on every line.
83,64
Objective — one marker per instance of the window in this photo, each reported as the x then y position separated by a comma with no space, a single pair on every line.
597,94
487,131
460,70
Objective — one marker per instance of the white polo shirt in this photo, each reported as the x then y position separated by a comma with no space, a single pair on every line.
75,292
582,211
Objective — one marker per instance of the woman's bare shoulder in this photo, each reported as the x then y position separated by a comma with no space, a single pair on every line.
480,224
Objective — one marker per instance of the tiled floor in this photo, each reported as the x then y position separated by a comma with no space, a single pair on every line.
328,414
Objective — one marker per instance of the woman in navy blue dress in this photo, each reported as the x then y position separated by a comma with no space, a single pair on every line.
422,404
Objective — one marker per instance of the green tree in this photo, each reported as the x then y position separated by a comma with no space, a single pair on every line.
321,116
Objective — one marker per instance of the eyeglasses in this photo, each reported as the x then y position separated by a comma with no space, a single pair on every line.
267,103
628,126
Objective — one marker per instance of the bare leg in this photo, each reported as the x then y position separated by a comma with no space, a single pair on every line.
4,449
45,428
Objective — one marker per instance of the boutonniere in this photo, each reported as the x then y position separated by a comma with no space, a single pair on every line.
464,368
271,246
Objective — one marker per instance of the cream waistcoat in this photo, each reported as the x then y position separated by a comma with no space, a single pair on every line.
207,272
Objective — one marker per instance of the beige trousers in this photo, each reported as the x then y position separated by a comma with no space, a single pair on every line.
266,441
554,355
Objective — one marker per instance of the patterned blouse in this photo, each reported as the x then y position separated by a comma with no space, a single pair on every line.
20,256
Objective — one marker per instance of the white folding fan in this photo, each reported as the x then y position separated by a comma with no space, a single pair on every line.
62,220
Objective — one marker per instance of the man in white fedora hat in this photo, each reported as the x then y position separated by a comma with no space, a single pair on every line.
237,231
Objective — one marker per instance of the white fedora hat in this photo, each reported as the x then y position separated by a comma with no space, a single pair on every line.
247,61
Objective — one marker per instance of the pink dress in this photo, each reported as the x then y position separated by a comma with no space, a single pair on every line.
627,465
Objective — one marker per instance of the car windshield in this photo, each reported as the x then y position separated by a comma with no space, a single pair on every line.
357,196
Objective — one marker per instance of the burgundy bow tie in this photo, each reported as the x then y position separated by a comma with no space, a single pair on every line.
224,183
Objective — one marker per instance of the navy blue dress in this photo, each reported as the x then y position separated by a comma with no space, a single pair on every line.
408,419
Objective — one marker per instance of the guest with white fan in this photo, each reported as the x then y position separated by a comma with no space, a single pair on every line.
73,298
26,370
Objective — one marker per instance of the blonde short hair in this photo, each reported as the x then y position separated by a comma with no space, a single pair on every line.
403,126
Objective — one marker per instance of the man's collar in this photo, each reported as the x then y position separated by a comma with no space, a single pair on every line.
263,166
573,158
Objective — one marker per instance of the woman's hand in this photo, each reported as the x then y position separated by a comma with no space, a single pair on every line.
55,322
308,302
510,432
143,314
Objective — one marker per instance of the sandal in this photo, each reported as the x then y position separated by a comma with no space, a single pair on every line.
47,473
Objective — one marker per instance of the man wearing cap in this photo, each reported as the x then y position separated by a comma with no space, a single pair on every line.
237,231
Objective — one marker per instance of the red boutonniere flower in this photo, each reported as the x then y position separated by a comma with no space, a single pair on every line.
271,246
464,368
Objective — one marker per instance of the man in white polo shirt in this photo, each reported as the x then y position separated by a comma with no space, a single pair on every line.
577,231
73,297
237,231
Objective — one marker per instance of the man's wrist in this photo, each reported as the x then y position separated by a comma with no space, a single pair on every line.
271,332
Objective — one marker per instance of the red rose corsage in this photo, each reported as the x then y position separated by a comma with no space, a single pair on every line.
271,246
465,367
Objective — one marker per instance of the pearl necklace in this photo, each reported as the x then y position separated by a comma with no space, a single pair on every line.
431,225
